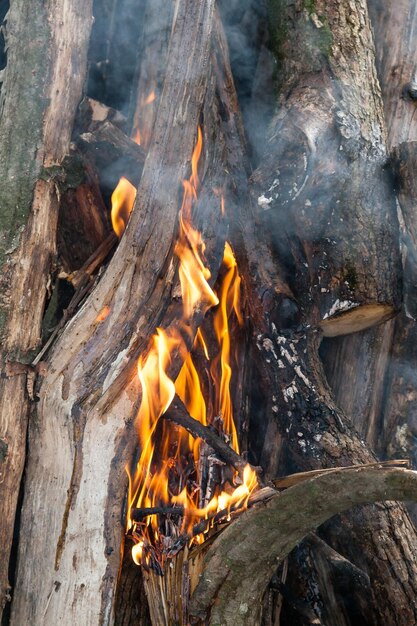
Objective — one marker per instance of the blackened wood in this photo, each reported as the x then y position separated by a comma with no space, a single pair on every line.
178,414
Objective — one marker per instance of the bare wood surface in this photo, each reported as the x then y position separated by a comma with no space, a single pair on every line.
395,28
299,426
38,101
266,535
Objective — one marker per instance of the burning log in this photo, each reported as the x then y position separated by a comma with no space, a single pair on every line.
99,357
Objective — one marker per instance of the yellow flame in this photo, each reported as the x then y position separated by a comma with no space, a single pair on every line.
163,456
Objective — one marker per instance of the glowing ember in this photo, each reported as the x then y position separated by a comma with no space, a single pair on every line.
167,474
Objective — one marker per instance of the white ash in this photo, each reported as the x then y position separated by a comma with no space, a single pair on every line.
339,306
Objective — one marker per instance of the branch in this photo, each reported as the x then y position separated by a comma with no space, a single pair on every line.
178,414
264,536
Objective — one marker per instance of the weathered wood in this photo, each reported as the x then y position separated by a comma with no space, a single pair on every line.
396,58
41,89
397,64
266,535
113,154
323,189
299,427
83,221
158,16
355,366
91,388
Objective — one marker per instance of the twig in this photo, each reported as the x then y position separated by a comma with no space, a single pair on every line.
178,414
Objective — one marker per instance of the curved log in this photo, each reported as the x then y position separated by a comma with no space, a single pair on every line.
262,537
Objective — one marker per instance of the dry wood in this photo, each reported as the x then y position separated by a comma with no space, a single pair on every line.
300,419
322,188
397,64
90,388
39,96
266,535
114,154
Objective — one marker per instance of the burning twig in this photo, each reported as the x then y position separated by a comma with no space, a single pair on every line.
178,414
137,515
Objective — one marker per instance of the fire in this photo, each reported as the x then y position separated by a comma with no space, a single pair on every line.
167,473
122,201
123,197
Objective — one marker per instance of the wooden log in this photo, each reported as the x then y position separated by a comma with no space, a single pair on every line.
267,534
91,378
39,95
397,62
83,221
114,155
326,151
151,67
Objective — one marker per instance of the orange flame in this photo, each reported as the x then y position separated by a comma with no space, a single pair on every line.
160,477
122,201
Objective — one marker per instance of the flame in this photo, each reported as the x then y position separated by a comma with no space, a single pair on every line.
167,470
122,201
123,197
103,314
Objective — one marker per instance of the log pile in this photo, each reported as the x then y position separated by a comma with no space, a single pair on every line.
309,217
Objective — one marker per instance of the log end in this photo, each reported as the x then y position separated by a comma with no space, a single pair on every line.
357,319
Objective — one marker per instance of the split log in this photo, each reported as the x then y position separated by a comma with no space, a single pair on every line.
266,535
39,96
113,154
90,388
158,16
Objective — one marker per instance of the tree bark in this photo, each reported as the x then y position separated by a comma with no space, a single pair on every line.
41,89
